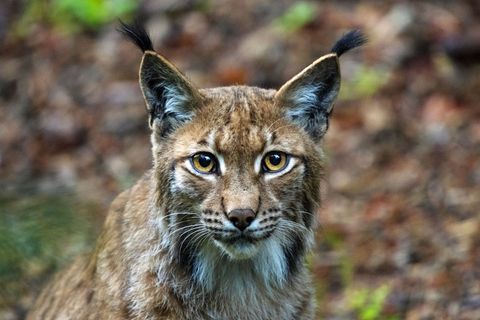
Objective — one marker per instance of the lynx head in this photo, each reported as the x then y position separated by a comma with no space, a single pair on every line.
238,168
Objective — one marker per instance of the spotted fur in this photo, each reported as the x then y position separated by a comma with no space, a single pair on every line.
169,249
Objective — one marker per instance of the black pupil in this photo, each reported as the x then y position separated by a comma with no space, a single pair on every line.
275,159
204,160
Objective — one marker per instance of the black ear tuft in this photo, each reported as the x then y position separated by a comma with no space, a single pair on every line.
137,34
350,40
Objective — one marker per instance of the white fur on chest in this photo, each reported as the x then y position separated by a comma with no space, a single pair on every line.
251,289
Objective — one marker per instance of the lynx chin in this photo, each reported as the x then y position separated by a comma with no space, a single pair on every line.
219,228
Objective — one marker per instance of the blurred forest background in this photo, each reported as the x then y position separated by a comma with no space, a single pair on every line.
399,235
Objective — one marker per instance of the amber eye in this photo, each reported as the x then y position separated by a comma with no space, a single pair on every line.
274,161
204,162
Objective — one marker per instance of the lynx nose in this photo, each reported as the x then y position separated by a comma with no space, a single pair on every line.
241,218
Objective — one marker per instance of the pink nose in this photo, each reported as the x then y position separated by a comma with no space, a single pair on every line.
241,218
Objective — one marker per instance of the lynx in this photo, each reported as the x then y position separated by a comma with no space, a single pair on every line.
220,226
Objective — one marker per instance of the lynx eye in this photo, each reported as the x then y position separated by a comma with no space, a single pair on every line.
275,161
204,162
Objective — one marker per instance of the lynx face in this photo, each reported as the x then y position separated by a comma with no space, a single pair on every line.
243,185
238,168
244,172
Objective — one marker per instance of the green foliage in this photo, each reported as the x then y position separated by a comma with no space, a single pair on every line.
37,235
74,15
363,303
203,5
297,16
365,83
336,241
368,304
93,13
333,239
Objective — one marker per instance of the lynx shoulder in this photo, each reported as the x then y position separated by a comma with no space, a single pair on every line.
220,226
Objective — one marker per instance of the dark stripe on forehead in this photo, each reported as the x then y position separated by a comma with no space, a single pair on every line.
273,138
203,139
203,142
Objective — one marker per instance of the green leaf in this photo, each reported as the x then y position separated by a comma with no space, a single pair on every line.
368,304
297,16
365,83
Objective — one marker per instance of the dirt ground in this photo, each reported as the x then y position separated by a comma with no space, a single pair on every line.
399,227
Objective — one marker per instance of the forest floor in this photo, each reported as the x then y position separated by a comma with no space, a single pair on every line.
398,236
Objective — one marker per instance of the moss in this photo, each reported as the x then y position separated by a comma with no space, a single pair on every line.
38,235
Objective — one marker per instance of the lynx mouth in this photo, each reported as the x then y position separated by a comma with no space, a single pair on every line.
240,247
240,240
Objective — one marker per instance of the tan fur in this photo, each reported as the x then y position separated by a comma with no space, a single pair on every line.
140,269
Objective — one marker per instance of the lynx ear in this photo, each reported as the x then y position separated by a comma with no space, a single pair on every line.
171,99
309,96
